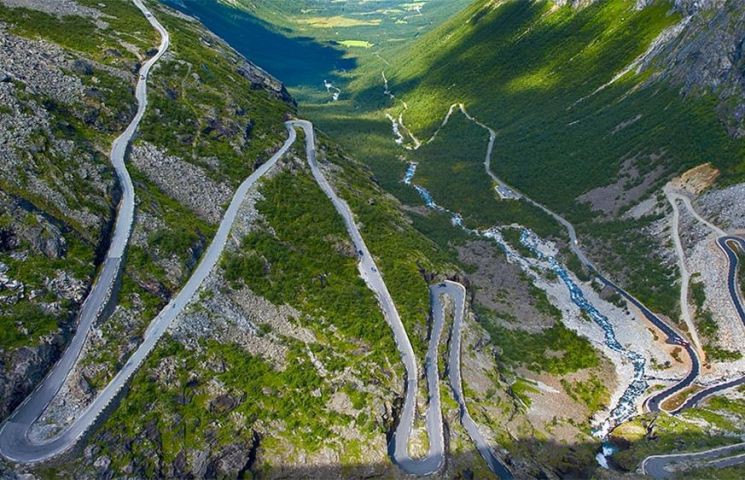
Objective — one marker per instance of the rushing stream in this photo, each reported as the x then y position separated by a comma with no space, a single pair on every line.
625,407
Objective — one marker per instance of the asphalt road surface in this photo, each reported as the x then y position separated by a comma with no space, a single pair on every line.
457,293
659,466
662,466
370,273
14,444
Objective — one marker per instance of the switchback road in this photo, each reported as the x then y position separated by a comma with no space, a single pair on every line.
14,443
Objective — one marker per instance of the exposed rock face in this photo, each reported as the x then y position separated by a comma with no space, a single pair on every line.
707,56
183,181
704,55
261,79
725,207
574,3
692,6
23,369
58,7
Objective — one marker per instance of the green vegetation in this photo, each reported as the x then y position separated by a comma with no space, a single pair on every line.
591,392
182,235
148,283
438,226
697,292
522,389
452,168
522,68
181,414
722,354
356,44
671,435
708,329
88,124
194,116
730,473
80,34
633,254
531,71
512,237
24,324
402,254
379,26
556,350
304,259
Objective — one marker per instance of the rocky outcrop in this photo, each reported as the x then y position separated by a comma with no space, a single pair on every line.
261,79
58,7
706,56
22,369
183,181
574,3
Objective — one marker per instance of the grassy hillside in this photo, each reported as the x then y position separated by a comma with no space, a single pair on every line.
550,81
530,70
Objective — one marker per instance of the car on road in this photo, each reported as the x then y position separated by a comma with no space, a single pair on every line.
442,284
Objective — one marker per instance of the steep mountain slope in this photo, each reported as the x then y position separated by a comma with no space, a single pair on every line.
282,366
61,108
286,317
594,108
315,45
68,87
590,107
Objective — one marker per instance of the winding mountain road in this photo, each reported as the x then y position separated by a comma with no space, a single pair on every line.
399,446
673,336
661,466
457,293
736,297
434,460
734,263
16,446
14,443
685,277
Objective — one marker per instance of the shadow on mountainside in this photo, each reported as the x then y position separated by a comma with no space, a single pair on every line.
295,61
107,456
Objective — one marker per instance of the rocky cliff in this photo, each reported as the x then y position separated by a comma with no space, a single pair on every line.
705,57
57,194
703,54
